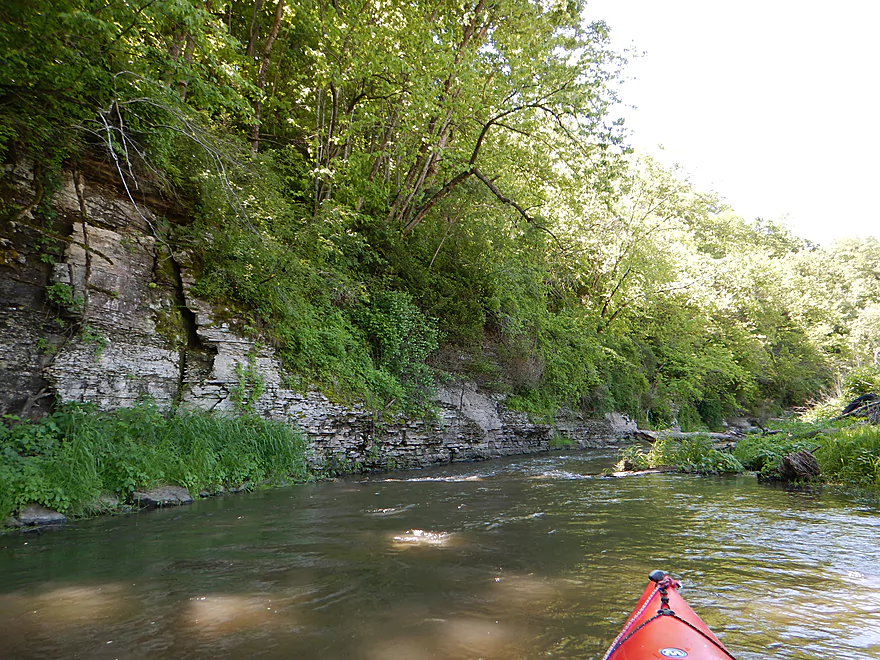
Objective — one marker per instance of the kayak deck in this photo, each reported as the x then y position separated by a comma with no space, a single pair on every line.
663,625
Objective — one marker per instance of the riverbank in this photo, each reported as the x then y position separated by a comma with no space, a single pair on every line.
846,454
80,462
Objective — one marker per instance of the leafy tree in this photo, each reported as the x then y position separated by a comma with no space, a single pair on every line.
368,178
74,69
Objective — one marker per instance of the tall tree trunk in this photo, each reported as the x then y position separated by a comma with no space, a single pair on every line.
184,43
254,32
262,75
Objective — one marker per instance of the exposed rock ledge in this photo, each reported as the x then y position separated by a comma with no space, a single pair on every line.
149,335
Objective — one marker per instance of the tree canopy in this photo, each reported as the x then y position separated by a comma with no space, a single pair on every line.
416,176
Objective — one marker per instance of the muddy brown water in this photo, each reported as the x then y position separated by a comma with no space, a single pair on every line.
528,557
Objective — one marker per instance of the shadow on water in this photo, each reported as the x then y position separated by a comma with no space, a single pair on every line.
519,558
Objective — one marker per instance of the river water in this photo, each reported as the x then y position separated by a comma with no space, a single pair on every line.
531,557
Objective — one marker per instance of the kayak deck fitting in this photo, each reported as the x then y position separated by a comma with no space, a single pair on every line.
663,625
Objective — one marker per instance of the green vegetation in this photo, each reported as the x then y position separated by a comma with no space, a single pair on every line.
63,296
852,456
76,457
365,183
848,452
690,454
763,453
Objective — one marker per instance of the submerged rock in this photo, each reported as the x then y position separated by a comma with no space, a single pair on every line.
34,514
162,496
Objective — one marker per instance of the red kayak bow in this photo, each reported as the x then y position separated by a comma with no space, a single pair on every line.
662,625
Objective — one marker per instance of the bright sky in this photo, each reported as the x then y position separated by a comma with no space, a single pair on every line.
774,104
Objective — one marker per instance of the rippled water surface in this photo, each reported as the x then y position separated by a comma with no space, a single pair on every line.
522,558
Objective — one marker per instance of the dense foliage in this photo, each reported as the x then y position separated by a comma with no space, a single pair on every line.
371,181
852,456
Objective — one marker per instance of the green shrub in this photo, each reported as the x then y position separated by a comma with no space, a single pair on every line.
632,458
624,366
559,369
862,380
560,441
763,453
402,338
689,419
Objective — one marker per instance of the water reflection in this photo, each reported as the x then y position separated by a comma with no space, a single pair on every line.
223,614
523,558
63,606
450,638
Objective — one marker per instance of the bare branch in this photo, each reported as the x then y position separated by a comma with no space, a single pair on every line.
495,191
435,198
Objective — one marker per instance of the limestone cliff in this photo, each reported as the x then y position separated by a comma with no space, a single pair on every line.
98,307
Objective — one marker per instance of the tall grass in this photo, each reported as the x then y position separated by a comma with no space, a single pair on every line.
75,457
852,456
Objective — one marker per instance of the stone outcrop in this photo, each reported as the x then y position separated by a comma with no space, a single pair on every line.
107,314
88,302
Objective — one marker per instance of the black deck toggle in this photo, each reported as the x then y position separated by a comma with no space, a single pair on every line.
657,575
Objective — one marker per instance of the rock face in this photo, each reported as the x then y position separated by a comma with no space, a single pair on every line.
106,314
163,496
91,316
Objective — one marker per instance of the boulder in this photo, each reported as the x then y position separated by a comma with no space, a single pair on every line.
34,514
620,424
162,496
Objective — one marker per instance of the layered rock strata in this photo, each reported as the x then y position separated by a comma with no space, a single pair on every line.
98,308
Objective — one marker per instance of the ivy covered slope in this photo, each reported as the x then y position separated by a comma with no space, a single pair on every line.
393,191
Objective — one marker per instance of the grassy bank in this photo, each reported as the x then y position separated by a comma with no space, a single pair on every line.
847,456
82,462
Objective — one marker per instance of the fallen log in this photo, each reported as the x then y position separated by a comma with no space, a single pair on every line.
867,406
